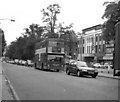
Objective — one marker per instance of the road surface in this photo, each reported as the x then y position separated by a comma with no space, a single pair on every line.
32,84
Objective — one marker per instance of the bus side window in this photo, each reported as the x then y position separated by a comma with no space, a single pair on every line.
37,56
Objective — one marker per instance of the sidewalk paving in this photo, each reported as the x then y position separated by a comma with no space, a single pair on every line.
5,93
107,74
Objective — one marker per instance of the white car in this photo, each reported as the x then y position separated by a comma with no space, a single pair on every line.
16,61
98,65
23,62
30,63
106,65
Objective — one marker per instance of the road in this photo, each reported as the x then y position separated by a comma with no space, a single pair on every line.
32,84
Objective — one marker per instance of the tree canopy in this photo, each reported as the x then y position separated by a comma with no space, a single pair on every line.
112,14
24,46
50,17
3,40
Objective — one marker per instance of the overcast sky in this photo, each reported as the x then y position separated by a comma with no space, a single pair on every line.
82,13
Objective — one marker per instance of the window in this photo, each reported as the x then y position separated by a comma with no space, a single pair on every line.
89,49
83,49
83,41
96,38
99,46
103,47
52,43
60,44
96,48
87,40
92,39
55,58
100,38
37,56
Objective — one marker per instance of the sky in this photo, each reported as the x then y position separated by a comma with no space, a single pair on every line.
82,13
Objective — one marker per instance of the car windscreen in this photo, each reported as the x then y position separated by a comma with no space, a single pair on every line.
82,64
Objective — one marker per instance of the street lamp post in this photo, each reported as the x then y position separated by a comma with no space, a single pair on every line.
12,20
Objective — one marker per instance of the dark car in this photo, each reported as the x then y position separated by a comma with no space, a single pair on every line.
81,68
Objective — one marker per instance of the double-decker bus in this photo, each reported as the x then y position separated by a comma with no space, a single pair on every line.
50,54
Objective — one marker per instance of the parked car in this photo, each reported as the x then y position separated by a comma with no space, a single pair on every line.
106,65
81,68
30,63
11,62
111,66
23,62
16,61
98,65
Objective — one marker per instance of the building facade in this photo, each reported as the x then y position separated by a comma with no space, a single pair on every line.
1,34
91,44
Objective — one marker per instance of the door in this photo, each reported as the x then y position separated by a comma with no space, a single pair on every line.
73,67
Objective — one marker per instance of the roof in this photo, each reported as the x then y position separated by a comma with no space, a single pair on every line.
96,27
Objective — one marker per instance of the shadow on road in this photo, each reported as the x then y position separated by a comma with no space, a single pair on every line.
84,76
47,70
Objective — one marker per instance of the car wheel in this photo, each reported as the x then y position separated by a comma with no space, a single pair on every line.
78,73
94,76
68,72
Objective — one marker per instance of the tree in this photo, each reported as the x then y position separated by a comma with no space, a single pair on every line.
24,46
3,40
35,30
69,37
11,50
50,17
112,14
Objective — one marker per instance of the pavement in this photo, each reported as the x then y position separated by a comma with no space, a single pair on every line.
8,93
5,91
0,82
107,73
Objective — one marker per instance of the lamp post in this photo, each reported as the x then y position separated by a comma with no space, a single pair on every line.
12,20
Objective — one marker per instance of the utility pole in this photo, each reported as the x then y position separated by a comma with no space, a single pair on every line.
116,53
